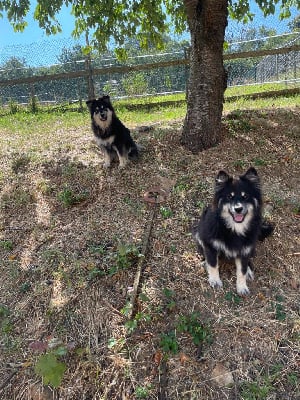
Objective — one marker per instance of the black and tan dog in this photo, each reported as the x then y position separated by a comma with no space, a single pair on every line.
110,134
231,226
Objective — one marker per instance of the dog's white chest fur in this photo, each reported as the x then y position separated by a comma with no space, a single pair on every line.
104,142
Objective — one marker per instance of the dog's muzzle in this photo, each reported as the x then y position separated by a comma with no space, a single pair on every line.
238,212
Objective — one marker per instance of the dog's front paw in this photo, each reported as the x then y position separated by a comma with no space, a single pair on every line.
214,277
215,282
242,289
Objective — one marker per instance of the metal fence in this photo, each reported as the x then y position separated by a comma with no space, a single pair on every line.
77,77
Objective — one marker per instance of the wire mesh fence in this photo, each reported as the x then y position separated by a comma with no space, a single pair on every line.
57,71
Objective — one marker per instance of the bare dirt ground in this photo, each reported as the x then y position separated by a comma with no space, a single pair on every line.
71,234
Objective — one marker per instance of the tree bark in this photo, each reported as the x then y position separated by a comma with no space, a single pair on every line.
207,21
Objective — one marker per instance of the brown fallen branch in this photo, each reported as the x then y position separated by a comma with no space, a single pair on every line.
140,265
153,197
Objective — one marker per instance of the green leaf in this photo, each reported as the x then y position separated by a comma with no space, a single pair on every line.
50,369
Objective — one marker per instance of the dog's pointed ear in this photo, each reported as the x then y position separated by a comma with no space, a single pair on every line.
89,103
222,178
251,175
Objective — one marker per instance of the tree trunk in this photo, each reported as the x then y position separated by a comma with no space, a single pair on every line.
207,21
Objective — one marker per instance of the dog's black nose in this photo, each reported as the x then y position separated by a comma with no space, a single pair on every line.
238,209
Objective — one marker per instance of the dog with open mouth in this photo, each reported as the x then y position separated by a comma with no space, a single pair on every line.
231,227
111,135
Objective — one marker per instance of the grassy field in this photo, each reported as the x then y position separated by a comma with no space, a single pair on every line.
74,236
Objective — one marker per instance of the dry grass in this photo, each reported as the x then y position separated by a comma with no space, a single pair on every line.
69,240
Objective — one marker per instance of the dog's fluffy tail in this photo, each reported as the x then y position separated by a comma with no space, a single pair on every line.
266,230
133,153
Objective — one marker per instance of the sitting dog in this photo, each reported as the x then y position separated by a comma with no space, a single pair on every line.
232,226
110,134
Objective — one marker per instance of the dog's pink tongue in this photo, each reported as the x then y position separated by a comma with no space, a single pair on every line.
238,217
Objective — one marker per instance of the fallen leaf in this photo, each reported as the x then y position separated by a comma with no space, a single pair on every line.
222,376
38,346
157,357
183,358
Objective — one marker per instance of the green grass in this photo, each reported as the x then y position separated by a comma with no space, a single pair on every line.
140,111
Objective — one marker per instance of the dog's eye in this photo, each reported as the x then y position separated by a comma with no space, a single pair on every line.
244,195
230,196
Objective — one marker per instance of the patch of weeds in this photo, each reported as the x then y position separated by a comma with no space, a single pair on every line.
173,248
6,326
143,392
203,187
132,324
49,365
6,244
259,162
19,197
44,187
168,343
200,204
25,287
296,209
69,198
255,391
277,201
170,295
50,369
165,212
233,298
182,185
33,105
51,257
116,344
20,163
97,249
293,379
236,122
13,106
200,333
125,257
239,164
280,313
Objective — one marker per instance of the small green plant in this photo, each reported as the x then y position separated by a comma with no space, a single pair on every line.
259,162
25,287
50,368
132,324
13,106
233,298
143,392
69,198
296,209
20,163
165,212
168,343
6,244
170,294
237,122
254,391
124,258
5,323
199,332
182,185
239,164
33,105
280,314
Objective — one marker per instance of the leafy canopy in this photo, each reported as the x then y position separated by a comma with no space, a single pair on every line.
113,21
